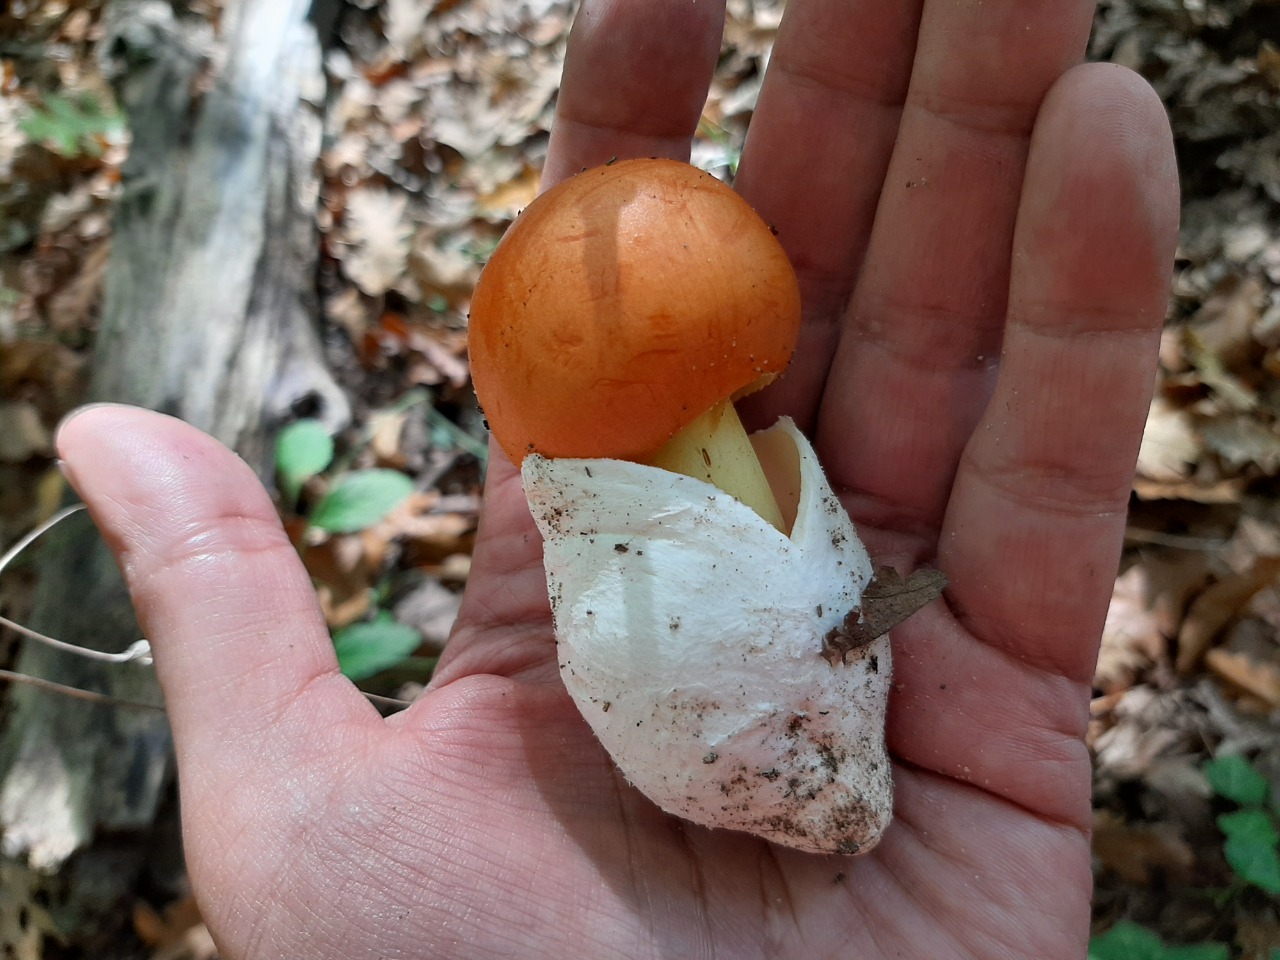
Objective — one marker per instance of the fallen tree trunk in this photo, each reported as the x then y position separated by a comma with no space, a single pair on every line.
209,314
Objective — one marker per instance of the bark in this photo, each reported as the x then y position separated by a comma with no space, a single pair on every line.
209,314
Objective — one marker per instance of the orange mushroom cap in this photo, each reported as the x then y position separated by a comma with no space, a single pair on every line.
622,304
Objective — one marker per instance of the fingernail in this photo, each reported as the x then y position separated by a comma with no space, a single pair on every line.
75,413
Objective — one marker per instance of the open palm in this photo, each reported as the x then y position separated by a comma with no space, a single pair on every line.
983,231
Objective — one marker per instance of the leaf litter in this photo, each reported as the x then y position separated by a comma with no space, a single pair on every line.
1190,665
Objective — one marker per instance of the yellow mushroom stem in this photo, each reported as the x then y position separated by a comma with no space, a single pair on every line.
715,448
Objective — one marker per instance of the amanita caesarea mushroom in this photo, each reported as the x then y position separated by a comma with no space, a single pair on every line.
696,575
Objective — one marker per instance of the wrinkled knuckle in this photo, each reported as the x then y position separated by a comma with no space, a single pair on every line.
1077,320
989,116
1067,486
212,543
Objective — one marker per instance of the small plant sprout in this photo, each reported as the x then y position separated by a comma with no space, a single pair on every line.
303,450
73,127
1130,941
353,500
1252,841
708,589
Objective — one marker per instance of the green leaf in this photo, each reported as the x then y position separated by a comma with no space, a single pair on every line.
303,449
1130,941
1235,778
366,648
359,500
1251,848
68,127
1199,951
1127,941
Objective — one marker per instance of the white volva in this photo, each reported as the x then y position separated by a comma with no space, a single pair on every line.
691,634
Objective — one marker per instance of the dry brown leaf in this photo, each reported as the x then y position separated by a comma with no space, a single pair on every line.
1131,635
342,575
349,311
1174,578
1170,444
385,430
431,608
425,534
1136,737
176,934
887,601
403,22
1259,678
1268,61
445,361
46,372
22,434
453,569
1254,536
1216,607
507,199
342,610
496,100
433,539
1226,490
1230,391
1135,852
1242,242
1258,934
441,261
1257,162
378,233
399,105
1224,324
12,139
1243,441
72,307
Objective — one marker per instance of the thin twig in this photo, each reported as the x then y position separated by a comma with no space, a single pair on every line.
49,686
391,702
137,652
37,533
1179,541
62,689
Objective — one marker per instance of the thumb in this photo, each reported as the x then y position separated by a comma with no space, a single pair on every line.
219,590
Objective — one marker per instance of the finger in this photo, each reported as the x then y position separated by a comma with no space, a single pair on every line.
814,160
914,370
1034,527
635,80
241,650
504,624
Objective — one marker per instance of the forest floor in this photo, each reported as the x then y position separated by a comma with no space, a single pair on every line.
436,128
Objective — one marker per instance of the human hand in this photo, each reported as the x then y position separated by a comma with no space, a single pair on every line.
983,234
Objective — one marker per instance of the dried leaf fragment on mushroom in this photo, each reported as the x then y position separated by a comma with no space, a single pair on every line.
887,601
